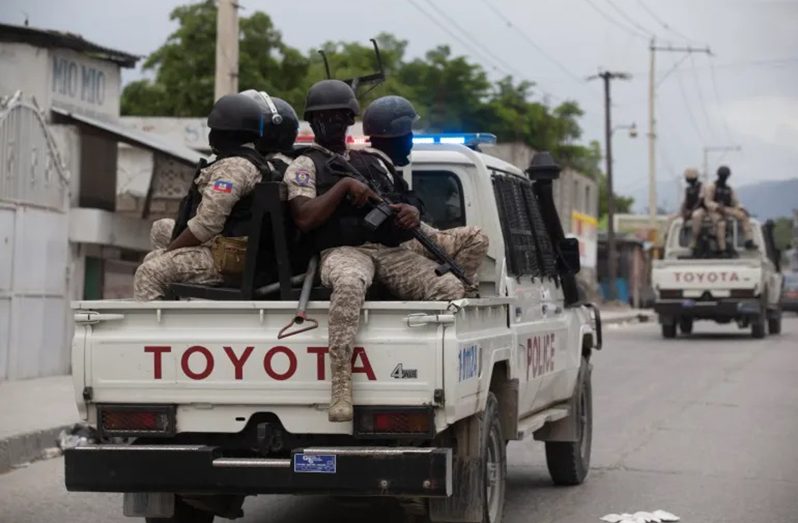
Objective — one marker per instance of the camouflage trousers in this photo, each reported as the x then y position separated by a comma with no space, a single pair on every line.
742,218
406,271
160,268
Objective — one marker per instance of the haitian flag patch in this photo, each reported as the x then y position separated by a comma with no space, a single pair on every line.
223,186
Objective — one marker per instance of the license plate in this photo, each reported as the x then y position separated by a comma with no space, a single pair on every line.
314,463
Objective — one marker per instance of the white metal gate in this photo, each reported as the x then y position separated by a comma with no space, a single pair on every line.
34,247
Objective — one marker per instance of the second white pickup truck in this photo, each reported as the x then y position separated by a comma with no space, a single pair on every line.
745,289
198,404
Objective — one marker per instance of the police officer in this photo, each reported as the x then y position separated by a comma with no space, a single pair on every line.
388,122
721,198
331,206
281,126
693,209
217,208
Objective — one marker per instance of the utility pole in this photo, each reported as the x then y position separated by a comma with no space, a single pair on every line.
716,148
226,80
652,125
612,265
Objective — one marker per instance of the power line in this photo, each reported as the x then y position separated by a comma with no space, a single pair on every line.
631,31
470,35
629,18
661,22
701,101
690,113
532,43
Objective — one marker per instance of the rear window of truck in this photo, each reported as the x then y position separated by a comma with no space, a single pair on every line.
442,194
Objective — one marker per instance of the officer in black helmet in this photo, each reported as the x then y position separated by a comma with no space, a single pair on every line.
208,239
279,133
721,198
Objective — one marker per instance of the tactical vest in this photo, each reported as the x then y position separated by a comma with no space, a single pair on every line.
238,222
692,196
723,195
345,226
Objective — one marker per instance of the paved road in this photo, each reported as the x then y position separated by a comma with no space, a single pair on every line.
705,427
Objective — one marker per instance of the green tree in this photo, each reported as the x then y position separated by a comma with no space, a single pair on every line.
184,66
782,233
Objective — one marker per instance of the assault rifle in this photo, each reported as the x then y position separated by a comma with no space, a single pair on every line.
382,211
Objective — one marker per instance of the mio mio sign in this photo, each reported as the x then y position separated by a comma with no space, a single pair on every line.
84,85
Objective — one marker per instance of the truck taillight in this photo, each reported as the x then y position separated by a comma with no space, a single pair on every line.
391,422
136,420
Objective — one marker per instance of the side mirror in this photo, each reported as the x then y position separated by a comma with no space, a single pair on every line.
569,250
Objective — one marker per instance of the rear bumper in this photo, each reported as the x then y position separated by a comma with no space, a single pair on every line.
727,308
355,471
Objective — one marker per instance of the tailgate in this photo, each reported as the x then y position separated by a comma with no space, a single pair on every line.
706,275
204,356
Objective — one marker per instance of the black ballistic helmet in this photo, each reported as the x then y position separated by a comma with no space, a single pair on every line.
330,94
236,112
389,117
281,122
724,172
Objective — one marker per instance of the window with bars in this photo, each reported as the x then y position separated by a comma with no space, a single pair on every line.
528,246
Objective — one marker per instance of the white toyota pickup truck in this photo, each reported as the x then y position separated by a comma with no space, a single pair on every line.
197,403
745,289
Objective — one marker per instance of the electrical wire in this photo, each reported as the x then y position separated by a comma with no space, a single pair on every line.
466,34
532,43
700,92
689,109
630,30
629,18
661,22
719,100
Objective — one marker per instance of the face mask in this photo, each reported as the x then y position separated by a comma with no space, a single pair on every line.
692,181
398,149
722,179
330,128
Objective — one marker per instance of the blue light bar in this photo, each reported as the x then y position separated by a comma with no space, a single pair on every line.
468,139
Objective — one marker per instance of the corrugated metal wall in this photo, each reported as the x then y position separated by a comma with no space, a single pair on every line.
34,332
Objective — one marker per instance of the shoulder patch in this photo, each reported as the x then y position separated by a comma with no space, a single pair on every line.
302,178
225,186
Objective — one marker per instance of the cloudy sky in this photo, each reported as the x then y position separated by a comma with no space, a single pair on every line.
744,95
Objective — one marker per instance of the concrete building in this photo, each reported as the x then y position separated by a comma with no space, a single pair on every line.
62,235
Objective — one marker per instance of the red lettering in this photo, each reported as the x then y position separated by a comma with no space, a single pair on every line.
734,277
528,356
700,276
366,369
689,277
551,354
197,349
712,277
722,276
238,362
267,363
320,353
678,276
157,353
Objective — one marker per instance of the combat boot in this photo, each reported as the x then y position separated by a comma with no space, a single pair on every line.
341,390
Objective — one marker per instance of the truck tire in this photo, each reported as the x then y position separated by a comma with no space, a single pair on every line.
184,513
774,324
481,477
569,461
686,325
758,327
494,462
668,330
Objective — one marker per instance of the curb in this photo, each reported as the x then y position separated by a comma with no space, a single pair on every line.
18,450
630,317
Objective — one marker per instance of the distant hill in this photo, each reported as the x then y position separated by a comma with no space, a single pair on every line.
767,199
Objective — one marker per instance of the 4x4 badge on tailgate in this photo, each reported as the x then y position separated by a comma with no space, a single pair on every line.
314,463
401,373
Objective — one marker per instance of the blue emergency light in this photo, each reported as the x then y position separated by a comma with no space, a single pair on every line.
467,139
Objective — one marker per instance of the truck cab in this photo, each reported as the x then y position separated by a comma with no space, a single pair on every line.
744,289
197,403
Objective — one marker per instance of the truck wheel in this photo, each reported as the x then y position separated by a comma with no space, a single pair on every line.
494,466
668,330
686,325
774,324
184,513
569,461
758,327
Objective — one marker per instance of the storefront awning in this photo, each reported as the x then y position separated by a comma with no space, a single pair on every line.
135,138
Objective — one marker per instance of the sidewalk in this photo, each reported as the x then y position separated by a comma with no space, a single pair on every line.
614,315
32,413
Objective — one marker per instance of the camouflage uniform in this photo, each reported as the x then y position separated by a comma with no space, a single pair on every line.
406,271
721,212
221,184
